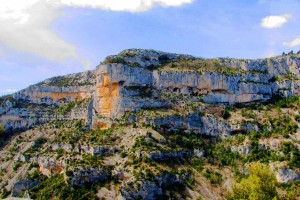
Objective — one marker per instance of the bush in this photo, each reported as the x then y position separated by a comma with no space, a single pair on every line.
297,118
123,154
260,184
213,177
221,155
114,60
17,165
225,114
55,187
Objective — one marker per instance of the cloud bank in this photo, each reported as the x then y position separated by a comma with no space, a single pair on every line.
25,27
272,22
293,43
25,24
124,5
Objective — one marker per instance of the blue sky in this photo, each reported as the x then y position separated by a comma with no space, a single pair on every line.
44,38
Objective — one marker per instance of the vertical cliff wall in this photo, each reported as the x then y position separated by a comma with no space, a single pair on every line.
146,79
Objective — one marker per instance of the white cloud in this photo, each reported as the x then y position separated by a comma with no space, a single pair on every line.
124,5
26,27
293,43
25,24
272,22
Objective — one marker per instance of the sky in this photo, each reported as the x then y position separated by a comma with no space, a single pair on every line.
40,39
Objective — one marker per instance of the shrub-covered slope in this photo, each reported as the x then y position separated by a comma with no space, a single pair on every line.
154,125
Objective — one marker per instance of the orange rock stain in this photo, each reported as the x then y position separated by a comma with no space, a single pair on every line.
107,92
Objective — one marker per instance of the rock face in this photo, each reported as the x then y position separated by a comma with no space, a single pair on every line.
49,166
286,176
242,150
23,185
164,156
152,189
89,176
147,190
21,158
137,79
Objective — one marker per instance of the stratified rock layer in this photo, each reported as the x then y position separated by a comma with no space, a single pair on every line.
138,79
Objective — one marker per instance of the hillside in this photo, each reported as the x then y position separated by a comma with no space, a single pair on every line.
153,125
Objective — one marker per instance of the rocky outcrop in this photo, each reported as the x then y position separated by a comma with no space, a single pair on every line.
89,176
286,176
193,122
21,186
65,147
50,166
198,153
136,79
96,150
168,180
59,90
152,189
242,149
21,158
164,156
147,190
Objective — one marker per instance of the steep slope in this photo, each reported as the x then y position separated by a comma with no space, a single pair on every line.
152,125
144,79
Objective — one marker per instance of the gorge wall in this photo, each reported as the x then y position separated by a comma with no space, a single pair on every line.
136,80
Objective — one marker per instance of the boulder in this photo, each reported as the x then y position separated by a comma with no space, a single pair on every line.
146,190
165,156
89,176
198,153
242,150
286,176
50,166
21,158
21,186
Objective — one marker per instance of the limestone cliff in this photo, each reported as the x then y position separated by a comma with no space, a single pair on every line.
136,80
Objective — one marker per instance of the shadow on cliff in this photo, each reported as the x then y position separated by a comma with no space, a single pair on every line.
8,135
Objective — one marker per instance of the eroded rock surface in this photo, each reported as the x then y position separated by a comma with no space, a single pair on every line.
139,79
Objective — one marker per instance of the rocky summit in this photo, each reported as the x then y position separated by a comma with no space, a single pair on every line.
147,124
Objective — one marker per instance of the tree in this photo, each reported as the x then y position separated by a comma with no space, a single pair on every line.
283,53
291,52
260,184
225,114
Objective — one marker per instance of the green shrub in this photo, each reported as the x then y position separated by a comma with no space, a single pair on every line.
123,154
213,177
248,113
198,164
221,155
297,118
114,60
260,184
17,165
292,154
225,114
55,187
129,55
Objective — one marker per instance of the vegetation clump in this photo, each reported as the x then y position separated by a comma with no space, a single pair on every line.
202,66
259,184
117,59
225,114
